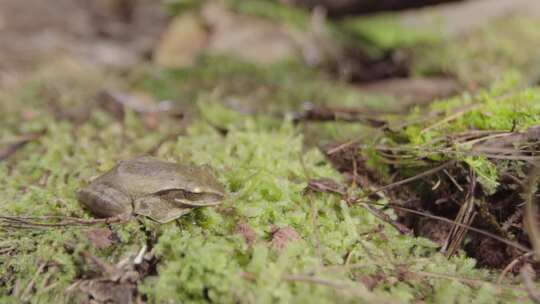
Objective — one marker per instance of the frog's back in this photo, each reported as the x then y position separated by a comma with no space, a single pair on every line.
143,175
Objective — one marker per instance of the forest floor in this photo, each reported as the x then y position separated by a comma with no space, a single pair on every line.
380,158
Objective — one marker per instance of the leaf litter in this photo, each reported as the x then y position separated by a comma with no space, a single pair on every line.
468,164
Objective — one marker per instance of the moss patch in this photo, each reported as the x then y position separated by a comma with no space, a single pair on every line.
201,258
382,33
485,56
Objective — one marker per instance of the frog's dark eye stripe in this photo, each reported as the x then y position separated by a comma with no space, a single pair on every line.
198,199
192,196
171,194
202,197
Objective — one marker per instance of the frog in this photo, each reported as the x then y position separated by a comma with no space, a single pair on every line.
147,186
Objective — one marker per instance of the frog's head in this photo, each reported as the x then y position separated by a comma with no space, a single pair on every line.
200,187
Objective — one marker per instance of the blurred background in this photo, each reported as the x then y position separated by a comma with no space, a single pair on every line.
358,41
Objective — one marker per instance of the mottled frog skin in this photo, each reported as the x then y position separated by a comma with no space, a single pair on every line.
160,190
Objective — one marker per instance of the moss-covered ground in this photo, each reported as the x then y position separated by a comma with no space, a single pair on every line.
265,168
344,253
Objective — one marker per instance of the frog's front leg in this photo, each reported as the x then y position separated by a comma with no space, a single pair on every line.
105,201
158,209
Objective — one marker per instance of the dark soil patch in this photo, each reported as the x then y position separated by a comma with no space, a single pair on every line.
358,67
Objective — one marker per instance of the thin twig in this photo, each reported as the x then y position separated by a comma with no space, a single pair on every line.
531,211
352,200
461,279
410,179
443,219
453,180
315,280
344,145
527,274
482,232
451,117
466,216
511,265
345,267
484,138
9,221
402,229
325,113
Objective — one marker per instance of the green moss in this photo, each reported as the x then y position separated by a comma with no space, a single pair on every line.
244,84
268,9
382,33
265,168
272,10
485,56
177,7
503,108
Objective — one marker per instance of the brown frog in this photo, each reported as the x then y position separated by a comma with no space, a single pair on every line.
160,190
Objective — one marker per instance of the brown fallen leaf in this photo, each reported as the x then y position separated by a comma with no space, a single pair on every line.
326,185
246,232
281,237
8,147
370,281
105,291
413,91
116,283
101,237
115,102
313,112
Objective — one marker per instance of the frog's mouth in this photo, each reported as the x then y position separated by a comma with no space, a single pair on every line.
192,199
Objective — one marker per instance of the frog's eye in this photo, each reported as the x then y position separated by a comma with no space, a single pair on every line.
197,190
